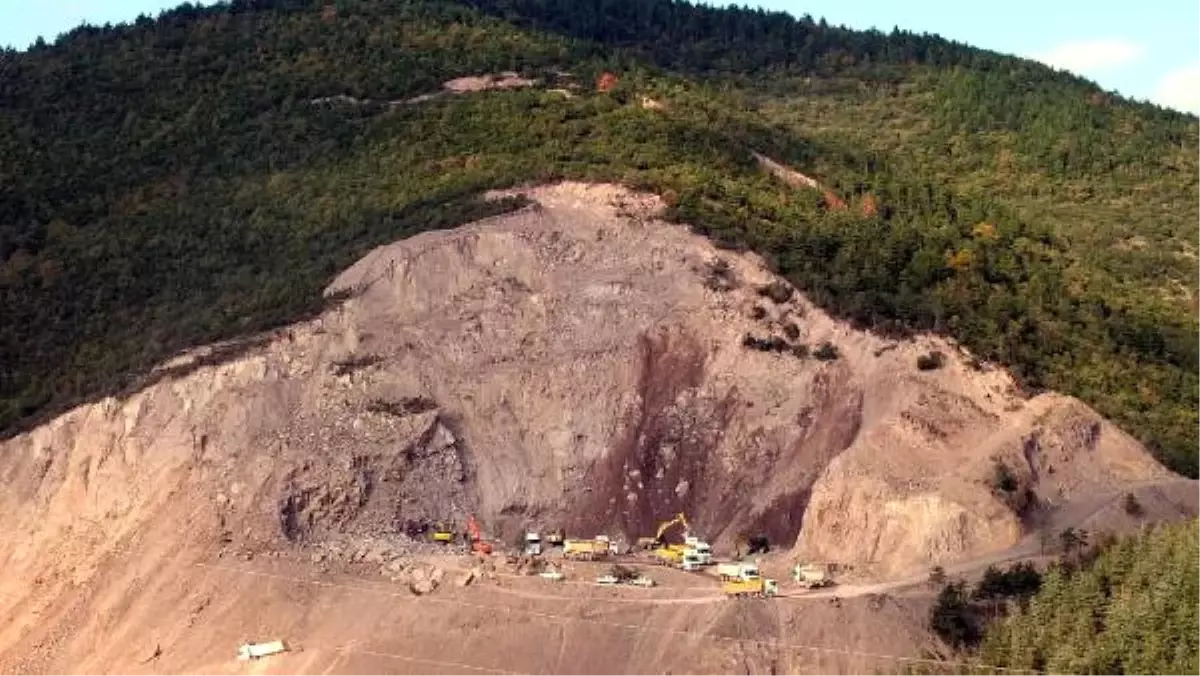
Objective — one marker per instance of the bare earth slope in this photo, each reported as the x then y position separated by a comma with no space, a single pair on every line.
577,363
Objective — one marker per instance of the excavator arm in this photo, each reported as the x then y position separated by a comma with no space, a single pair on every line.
478,544
679,519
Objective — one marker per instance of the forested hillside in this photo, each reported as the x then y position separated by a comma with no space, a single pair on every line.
178,180
1131,611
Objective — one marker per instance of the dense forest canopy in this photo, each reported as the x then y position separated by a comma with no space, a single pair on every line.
1132,610
181,179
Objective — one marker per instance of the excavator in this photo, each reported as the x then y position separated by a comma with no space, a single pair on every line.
690,555
749,545
478,544
443,533
657,541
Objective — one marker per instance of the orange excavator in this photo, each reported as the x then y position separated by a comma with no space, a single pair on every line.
478,544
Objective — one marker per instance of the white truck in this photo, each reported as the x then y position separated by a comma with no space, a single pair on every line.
699,550
254,651
533,544
811,575
738,571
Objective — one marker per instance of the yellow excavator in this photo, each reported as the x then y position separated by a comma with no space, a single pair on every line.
692,553
657,540
443,533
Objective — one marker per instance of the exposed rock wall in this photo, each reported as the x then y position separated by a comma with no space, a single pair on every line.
578,363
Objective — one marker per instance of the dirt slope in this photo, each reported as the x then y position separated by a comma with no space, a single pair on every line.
578,363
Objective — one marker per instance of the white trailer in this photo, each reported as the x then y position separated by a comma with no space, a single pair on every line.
254,651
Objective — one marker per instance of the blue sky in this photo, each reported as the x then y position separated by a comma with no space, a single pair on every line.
1149,51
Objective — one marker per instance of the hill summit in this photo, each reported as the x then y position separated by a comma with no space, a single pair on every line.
202,175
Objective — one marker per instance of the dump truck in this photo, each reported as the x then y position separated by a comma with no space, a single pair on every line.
737,571
811,575
693,554
689,557
587,550
759,587
700,550
693,561
254,651
671,555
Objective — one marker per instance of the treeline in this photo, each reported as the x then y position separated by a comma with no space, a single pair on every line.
171,182
1133,610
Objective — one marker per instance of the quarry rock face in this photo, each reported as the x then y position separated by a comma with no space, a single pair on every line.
581,364
575,364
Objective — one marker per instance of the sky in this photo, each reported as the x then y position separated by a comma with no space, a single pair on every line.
1147,52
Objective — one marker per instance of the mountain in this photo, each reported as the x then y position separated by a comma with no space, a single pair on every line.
579,364
284,283
202,175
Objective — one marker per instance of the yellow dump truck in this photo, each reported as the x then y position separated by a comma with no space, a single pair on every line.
671,555
587,550
760,587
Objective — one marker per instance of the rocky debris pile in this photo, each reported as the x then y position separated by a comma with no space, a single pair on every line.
348,549
383,467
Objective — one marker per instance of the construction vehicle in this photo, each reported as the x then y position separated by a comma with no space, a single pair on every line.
744,579
478,544
598,547
254,651
552,574
555,538
642,581
695,559
758,587
693,554
657,541
443,533
737,571
750,545
691,562
700,550
607,579
669,556
811,576
533,544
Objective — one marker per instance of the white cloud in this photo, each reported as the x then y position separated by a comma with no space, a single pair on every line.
1180,89
1088,56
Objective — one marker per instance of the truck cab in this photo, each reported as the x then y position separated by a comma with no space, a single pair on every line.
699,550
738,571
